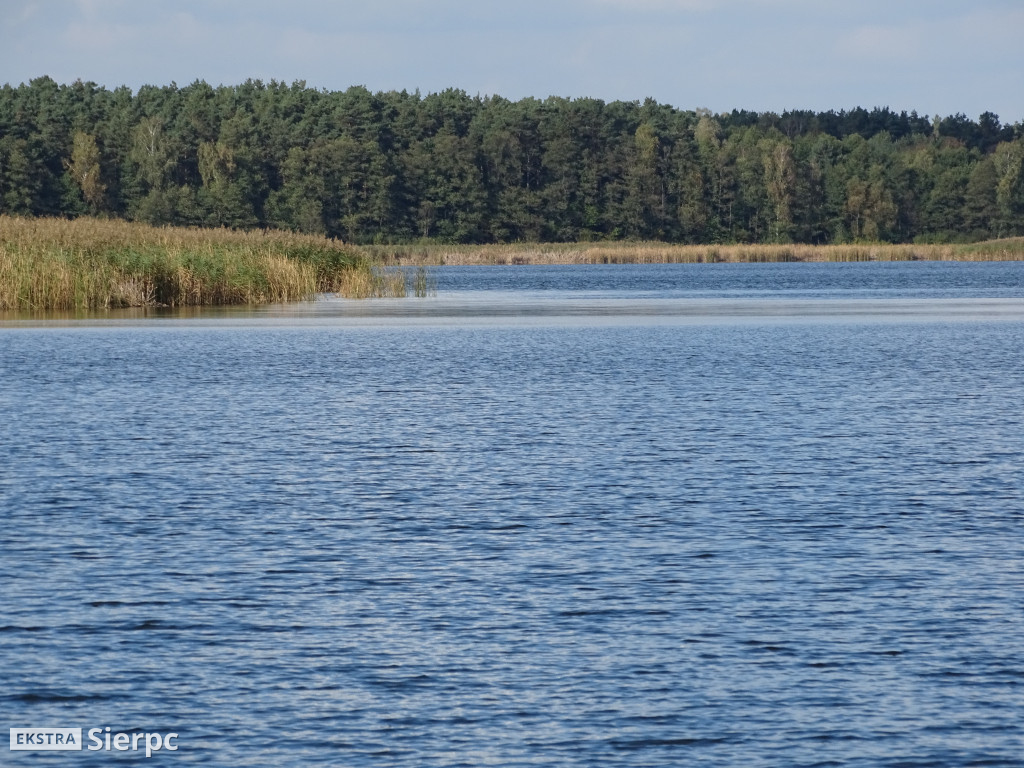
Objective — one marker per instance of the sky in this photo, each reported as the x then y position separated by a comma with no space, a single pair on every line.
938,57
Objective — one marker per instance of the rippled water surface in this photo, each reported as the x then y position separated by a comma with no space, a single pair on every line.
623,516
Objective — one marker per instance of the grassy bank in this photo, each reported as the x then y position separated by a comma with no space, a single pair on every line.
92,263
662,253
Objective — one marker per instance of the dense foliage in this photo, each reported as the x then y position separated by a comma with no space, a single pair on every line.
397,167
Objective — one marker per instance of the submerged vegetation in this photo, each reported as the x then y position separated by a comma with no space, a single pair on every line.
398,167
91,263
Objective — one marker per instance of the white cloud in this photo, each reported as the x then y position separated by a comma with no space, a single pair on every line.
661,5
95,9
881,42
696,5
24,13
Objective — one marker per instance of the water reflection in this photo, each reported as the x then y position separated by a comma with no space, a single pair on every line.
623,294
517,309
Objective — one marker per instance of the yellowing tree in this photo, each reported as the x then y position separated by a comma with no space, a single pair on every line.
1009,162
84,167
779,181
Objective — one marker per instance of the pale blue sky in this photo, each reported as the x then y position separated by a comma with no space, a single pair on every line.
935,56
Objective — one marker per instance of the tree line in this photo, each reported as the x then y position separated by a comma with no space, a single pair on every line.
400,167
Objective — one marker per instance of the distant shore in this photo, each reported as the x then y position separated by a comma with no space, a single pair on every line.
1010,249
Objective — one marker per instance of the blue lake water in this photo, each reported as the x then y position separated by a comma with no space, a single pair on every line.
714,515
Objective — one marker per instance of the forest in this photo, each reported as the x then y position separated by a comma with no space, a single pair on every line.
400,167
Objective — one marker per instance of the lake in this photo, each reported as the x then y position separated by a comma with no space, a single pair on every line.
715,515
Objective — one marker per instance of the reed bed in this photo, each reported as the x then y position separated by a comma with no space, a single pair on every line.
61,264
663,253
368,282
92,263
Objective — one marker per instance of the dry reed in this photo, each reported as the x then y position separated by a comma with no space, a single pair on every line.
99,263
664,253
94,263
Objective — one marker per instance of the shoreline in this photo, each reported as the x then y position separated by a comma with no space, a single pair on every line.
525,254
60,264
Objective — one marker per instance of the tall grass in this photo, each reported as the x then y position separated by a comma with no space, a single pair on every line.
366,282
663,253
92,263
